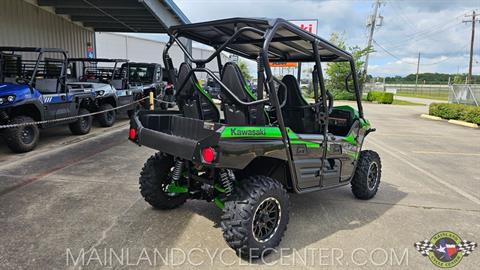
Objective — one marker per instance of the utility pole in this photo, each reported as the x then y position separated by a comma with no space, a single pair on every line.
473,20
372,22
418,69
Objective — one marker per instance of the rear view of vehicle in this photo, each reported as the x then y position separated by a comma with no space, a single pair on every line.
32,89
101,77
247,154
146,78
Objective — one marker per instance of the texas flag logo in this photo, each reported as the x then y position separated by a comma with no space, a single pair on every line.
445,251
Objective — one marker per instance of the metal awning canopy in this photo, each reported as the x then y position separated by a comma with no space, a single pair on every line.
137,16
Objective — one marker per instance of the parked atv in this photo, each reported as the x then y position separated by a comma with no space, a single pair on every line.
249,157
36,90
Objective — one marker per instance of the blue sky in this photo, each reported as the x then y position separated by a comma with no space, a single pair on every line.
432,27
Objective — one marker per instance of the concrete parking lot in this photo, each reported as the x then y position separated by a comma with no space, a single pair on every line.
82,196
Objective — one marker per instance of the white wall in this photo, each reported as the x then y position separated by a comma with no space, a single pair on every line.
109,45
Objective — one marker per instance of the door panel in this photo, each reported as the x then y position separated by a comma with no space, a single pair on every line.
307,153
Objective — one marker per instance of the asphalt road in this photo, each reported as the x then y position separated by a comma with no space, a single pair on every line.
82,196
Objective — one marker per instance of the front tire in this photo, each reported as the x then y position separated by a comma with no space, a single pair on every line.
154,180
256,216
367,176
83,125
22,139
107,119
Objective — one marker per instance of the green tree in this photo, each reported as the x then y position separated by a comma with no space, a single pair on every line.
459,79
337,72
244,69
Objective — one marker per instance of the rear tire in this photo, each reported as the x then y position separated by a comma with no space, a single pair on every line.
83,125
256,216
367,176
23,138
154,179
107,119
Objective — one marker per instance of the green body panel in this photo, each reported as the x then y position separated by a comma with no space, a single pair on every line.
219,203
350,139
174,188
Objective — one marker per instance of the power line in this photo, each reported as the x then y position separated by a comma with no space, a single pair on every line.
406,62
402,42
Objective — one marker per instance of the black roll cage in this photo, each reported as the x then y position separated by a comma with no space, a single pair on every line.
99,60
40,52
268,79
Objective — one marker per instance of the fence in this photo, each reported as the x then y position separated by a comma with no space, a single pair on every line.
431,91
454,93
464,94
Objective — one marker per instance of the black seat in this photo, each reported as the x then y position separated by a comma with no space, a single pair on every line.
297,113
340,121
236,113
192,99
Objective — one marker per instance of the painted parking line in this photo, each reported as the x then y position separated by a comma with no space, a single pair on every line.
392,152
425,135
447,153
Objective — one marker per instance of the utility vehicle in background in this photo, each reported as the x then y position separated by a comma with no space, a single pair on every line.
261,147
110,82
33,88
149,77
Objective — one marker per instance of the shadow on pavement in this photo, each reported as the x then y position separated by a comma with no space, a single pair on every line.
319,215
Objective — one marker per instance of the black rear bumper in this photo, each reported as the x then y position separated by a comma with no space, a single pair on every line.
170,133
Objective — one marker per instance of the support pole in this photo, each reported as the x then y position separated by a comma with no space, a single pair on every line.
152,101
418,69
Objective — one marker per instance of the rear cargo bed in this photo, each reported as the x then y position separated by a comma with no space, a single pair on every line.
171,133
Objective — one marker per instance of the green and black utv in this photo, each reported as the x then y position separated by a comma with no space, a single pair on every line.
249,152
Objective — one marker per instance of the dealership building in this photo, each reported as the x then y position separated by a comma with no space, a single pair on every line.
84,28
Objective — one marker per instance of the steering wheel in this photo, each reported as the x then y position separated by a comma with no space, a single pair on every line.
330,102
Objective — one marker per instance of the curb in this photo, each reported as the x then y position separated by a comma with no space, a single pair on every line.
463,123
451,121
431,117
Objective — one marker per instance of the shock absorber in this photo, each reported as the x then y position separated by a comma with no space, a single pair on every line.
177,170
227,178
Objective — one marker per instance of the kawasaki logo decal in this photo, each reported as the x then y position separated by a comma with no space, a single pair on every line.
248,132
262,132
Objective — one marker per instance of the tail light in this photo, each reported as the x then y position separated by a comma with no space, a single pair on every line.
132,134
208,155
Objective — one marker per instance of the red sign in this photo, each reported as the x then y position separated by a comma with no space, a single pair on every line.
307,25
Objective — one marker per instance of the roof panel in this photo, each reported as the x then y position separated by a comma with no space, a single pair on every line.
289,43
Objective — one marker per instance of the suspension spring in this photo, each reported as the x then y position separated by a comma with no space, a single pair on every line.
177,170
227,177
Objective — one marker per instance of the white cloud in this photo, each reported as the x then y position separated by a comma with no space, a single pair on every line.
433,27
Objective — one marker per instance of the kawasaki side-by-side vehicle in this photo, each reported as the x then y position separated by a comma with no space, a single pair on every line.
108,81
150,77
33,88
248,154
